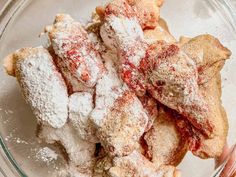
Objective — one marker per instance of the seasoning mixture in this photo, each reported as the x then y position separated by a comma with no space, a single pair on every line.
122,96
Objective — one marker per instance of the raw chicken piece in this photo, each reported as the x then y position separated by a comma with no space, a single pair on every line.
80,107
42,85
209,55
165,144
80,153
77,56
118,116
137,165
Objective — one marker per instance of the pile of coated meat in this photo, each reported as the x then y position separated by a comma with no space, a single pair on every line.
126,98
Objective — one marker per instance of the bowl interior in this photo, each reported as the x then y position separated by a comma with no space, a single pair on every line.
17,123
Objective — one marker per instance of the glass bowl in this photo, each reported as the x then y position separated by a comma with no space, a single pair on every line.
22,21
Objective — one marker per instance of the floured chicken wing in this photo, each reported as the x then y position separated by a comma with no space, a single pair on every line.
126,37
212,147
42,85
122,97
76,54
146,11
132,165
198,144
80,153
165,145
137,165
118,116
209,55
173,81
80,107
162,69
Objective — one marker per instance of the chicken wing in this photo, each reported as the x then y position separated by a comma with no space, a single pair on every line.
165,144
172,77
42,85
80,153
212,147
76,57
80,107
147,12
137,165
199,144
119,117
209,55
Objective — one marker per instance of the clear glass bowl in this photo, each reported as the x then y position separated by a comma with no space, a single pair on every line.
22,21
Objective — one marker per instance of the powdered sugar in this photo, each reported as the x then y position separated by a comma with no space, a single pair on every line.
42,86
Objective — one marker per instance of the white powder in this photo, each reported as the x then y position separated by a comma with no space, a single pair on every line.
42,86
20,141
124,34
108,89
118,31
80,107
71,43
80,152
8,111
72,82
46,155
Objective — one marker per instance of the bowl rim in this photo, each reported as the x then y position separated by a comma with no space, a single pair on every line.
6,14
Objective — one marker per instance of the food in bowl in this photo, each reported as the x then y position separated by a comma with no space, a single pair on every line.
122,96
